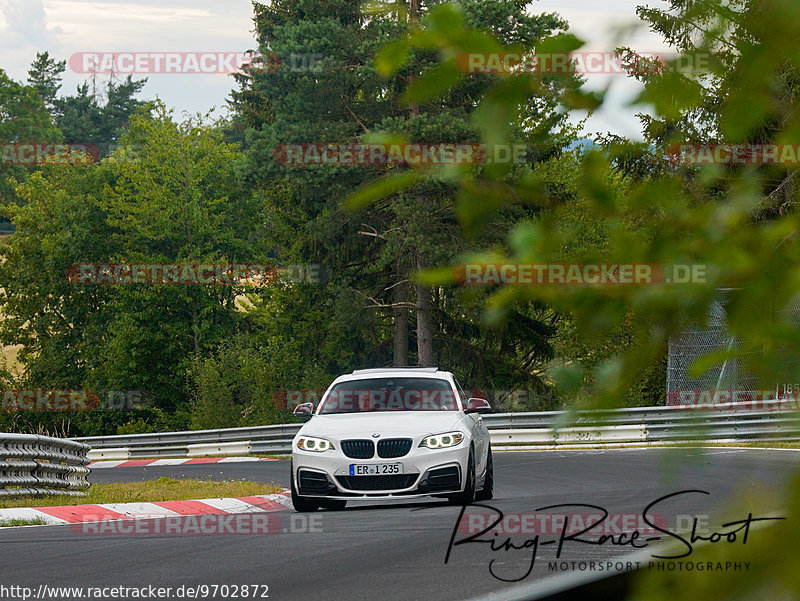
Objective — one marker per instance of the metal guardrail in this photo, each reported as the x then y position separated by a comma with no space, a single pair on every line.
261,439
738,423
40,465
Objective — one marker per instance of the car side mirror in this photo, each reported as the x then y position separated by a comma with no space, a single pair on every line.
304,411
475,405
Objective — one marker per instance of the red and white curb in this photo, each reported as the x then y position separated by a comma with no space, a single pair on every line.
74,514
179,461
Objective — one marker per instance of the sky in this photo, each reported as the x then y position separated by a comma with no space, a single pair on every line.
67,27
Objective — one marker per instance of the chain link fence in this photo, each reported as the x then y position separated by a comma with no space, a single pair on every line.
730,381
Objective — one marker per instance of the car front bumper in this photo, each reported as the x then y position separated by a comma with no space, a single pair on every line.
426,472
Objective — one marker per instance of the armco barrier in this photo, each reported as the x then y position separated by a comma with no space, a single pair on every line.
572,436
40,465
641,425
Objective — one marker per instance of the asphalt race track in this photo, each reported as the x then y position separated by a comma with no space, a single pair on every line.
396,551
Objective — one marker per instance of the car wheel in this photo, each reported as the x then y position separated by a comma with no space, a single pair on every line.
468,494
487,492
335,504
301,504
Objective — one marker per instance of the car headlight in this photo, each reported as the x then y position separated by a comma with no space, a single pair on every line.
442,441
317,445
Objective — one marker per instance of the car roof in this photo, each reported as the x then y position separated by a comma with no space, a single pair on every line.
400,369
390,372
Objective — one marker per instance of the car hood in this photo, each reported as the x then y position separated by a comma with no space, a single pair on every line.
385,423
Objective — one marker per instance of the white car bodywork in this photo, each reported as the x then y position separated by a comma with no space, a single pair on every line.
327,478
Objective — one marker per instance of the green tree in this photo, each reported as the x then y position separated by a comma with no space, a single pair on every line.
23,120
371,255
657,220
83,117
168,195
694,94
84,120
45,76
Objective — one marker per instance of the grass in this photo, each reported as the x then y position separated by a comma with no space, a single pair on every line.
755,444
162,489
764,444
19,522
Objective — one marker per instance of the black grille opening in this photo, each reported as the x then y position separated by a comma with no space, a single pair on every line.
394,447
358,449
311,480
445,478
388,482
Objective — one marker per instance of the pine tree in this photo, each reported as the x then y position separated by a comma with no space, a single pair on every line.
45,75
374,253
722,45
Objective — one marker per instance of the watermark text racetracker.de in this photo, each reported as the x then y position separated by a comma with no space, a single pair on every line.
571,274
204,274
251,523
564,63
734,154
783,397
197,591
355,400
52,399
411,153
193,63
47,153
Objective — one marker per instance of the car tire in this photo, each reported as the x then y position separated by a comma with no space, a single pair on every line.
487,492
334,504
468,494
301,504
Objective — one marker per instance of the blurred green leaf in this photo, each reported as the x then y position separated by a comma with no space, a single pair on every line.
380,189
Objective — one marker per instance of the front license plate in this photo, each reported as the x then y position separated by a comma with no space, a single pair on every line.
375,469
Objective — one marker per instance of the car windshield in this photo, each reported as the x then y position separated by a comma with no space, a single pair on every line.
390,394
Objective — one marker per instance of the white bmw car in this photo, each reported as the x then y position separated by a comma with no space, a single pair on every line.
396,433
